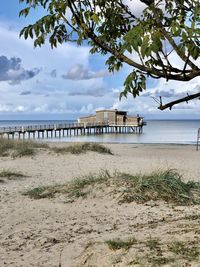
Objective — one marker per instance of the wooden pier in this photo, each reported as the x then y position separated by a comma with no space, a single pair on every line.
64,130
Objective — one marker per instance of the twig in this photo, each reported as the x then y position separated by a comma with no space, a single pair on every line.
181,100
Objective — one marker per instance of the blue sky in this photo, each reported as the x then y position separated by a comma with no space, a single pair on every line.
68,82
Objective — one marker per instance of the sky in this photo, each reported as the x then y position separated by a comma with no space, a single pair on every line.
69,82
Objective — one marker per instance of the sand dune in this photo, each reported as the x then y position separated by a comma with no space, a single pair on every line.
46,232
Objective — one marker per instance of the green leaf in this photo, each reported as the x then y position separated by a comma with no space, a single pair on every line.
95,17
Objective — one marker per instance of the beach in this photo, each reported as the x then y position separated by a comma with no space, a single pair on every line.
53,232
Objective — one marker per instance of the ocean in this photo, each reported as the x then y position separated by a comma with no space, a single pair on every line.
155,132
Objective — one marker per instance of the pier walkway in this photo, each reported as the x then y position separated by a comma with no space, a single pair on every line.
63,130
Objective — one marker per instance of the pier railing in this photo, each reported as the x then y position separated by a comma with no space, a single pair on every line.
48,127
51,127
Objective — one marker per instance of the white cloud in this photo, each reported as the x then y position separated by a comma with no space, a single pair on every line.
88,109
79,72
136,6
19,109
5,108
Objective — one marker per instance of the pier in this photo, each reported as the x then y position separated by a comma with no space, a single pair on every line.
64,130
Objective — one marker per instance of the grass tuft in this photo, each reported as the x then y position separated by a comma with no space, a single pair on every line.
19,148
10,175
152,244
166,186
192,217
116,244
185,250
157,261
74,189
79,148
40,192
161,185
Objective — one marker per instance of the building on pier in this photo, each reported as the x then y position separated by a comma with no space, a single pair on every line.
112,117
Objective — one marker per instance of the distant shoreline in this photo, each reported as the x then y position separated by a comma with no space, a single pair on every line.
113,143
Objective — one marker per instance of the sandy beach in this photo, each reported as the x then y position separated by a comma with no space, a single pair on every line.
56,233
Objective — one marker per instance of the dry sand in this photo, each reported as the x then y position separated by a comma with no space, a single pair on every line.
36,232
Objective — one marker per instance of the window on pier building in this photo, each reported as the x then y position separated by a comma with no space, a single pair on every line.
105,116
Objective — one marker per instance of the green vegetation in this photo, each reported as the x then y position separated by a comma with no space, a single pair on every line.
151,261
18,148
116,244
10,175
41,192
163,185
192,217
114,28
163,253
152,244
78,188
79,148
159,260
185,250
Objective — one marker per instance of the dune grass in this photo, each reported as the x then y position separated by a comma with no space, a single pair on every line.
163,185
80,148
74,189
185,250
19,148
154,252
10,175
115,244
192,217
152,243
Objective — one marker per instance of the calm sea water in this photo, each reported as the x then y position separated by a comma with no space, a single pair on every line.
157,131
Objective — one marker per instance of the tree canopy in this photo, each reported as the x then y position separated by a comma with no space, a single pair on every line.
149,42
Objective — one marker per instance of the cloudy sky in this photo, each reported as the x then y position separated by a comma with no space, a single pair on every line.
68,82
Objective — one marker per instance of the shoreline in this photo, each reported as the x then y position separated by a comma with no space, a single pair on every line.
110,143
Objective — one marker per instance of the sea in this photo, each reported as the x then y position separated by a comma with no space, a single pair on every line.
155,132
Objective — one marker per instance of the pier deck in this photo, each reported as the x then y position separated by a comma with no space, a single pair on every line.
62,130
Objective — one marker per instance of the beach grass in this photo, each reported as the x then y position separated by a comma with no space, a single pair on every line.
80,148
10,175
22,148
74,189
162,185
152,252
19,148
152,243
115,244
185,250
192,217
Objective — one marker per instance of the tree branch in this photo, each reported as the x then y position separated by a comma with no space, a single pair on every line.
181,100
122,57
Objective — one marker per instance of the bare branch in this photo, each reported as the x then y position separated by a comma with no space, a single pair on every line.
181,100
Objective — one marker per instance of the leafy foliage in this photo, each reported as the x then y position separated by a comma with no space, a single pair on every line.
148,42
